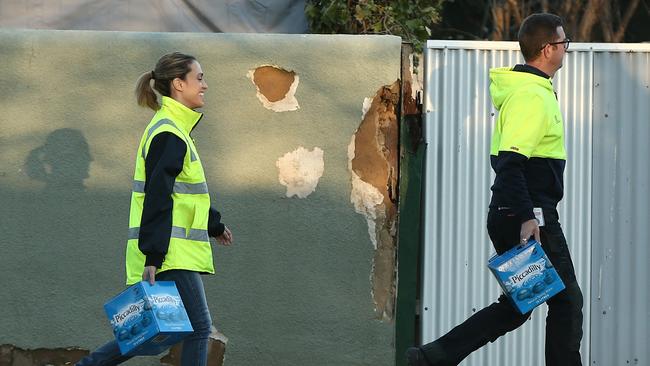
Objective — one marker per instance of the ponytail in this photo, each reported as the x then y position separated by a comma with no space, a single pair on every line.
144,92
169,67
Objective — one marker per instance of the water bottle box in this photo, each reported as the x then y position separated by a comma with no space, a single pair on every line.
146,319
526,275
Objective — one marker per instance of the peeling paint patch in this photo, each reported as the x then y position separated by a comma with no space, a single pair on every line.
276,87
15,356
367,102
367,199
372,161
300,171
417,74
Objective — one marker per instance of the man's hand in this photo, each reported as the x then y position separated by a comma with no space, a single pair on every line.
225,238
528,229
149,274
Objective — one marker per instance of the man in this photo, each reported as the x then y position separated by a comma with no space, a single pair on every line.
528,157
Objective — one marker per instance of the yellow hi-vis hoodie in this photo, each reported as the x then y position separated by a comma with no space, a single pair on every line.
189,245
529,120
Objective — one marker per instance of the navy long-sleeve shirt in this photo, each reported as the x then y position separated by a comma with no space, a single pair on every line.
163,164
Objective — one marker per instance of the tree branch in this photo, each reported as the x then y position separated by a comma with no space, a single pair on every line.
606,25
589,19
497,16
618,36
515,9
545,5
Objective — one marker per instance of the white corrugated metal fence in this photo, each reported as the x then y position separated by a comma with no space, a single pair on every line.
458,126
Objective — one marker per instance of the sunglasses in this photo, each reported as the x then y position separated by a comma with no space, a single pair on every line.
565,42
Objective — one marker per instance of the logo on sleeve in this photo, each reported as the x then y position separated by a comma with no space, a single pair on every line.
557,119
514,148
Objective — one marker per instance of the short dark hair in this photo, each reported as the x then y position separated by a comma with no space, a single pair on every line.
536,31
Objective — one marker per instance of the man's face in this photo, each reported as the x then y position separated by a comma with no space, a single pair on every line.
556,52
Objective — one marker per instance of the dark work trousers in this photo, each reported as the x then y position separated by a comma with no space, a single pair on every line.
564,319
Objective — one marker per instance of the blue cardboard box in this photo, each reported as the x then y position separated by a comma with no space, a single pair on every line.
526,275
146,319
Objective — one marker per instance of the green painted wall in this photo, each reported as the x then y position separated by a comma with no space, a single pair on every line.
295,287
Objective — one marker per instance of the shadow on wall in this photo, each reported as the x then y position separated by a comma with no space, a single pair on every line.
62,163
56,234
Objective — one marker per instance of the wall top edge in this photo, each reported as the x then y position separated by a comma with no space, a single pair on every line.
109,33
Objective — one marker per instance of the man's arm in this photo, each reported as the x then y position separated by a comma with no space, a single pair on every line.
510,182
525,125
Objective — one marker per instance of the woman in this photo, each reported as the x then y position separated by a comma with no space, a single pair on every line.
170,218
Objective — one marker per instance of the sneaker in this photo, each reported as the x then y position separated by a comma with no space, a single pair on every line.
415,357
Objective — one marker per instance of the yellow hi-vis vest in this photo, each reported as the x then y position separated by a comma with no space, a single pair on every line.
189,245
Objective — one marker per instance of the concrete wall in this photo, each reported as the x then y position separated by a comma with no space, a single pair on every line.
299,286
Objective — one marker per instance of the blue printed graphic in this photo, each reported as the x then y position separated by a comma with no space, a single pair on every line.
147,319
526,276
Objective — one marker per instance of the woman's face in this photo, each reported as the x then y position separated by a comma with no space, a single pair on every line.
190,91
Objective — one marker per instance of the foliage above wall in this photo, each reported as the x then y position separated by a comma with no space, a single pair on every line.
497,20
410,19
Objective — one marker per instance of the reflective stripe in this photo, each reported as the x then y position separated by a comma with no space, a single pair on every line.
152,129
138,186
179,187
134,233
193,234
178,233
190,188
167,122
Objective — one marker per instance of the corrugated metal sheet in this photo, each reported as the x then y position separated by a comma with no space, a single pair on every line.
621,254
459,119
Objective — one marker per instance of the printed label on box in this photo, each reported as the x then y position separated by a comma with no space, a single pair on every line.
148,319
526,276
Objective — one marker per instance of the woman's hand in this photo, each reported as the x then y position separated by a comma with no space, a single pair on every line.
225,238
149,274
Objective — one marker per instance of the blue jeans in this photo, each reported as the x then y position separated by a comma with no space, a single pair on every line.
195,346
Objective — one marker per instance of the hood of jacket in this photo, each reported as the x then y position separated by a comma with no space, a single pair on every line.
504,82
